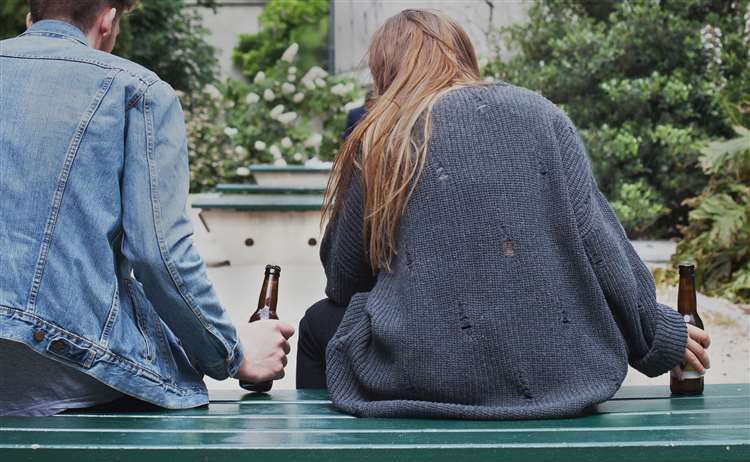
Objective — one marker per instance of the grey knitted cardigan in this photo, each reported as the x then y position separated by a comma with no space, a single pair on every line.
515,292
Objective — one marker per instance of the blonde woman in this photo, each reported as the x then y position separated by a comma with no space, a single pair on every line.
483,273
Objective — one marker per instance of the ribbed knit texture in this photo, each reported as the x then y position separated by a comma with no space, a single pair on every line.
515,292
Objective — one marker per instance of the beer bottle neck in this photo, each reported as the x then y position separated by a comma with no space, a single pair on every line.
686,303
269,293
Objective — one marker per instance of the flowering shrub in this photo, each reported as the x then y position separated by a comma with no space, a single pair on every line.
283,116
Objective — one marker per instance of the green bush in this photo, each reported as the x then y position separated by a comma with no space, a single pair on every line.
641,79
168,37
718,237
284,116
283,22
162,35
12,18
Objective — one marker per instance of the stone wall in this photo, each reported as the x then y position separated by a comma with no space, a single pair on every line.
356,20
231,18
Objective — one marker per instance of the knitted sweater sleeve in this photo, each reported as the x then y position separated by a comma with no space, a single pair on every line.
655,334
343,250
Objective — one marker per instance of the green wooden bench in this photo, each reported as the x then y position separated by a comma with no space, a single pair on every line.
293,176
639,424
246,188
259,202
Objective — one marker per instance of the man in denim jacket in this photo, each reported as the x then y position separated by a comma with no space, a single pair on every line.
102,294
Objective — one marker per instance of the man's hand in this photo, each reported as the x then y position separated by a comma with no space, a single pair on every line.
266,346
695,353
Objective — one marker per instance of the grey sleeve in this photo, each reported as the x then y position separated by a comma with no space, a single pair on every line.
656,335
343,250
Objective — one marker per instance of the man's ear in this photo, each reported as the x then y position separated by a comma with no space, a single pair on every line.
107,24
29,22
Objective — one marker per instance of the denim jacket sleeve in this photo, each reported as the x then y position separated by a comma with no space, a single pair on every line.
158,235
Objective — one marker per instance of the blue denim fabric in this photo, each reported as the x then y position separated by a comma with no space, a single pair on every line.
97,266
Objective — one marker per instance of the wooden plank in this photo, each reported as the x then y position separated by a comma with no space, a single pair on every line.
260,203
264,168
511,438
262,189
83,423
625,453
631,392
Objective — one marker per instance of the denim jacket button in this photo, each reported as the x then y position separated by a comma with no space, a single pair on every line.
58,345
39,335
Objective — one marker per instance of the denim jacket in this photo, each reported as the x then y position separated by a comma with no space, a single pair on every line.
97,266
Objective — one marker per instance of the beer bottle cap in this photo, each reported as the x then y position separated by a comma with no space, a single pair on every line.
273,269
687,268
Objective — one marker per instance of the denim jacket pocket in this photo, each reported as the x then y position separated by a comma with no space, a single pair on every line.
141,316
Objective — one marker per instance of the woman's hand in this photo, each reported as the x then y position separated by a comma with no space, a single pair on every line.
695,353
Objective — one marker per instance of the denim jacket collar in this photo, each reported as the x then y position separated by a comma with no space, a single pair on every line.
55,28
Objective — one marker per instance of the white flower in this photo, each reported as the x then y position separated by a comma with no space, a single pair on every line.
287,87
279,162
489,79
276,111
229,104
309,84
298,97
290,53
240,150
292,70
291,77
275,151
320,82
212,91
287,118
259,146
315,72
286,142
338,89
298,156
313,161
268,95
252,98
259,77
242,171
230,131
314,141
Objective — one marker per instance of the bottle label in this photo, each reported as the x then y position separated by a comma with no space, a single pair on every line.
689,372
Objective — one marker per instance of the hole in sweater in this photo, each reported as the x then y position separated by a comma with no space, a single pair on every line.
465,323
509,248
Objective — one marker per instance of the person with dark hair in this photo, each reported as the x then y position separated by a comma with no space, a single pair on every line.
103,297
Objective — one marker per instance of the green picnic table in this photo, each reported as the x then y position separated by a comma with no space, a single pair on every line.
638,424
246,188
259,202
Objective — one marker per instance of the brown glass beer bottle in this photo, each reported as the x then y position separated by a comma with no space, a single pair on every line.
692,380
269,295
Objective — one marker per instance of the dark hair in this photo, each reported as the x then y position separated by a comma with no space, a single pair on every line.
80,13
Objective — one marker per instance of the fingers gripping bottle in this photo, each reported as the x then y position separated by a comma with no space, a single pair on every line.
269,295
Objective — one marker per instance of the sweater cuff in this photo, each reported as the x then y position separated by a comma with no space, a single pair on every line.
668,346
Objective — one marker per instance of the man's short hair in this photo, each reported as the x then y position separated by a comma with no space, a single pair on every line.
80,13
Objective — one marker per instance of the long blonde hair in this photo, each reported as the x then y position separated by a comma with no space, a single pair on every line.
415,58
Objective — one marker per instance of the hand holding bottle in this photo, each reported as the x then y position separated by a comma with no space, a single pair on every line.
695,352
266,347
